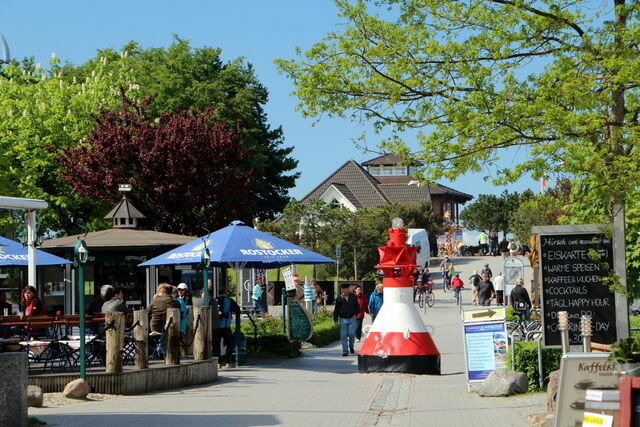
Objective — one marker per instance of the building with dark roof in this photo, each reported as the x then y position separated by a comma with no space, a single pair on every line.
383,181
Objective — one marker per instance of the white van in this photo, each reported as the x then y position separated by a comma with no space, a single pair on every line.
420,238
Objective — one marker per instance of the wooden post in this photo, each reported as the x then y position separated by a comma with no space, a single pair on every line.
141,337
202,340
115,342
188,335
172,328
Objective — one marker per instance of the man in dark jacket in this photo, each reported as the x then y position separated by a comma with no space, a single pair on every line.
521,302
159,305
486,291
344,313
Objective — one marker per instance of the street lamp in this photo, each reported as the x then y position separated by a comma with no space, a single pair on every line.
81,255
205,261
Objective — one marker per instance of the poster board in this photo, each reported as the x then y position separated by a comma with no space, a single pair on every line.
579,372
485,341
572,281
513,268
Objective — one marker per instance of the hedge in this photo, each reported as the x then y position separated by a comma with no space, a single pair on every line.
526,361
272,340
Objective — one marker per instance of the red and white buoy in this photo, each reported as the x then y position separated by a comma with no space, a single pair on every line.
398,340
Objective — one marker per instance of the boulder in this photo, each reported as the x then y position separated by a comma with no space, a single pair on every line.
503,382
34,396
76,389
552,390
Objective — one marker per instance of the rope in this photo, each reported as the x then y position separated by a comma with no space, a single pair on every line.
195,329
132,327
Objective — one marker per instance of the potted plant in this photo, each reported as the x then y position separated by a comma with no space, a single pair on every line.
625,353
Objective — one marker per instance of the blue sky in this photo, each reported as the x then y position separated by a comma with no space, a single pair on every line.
260,31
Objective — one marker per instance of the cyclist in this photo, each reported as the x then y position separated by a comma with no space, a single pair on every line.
521,302
457,284
486,270
445,266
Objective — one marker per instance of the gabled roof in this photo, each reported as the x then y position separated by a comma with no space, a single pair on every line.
363,187
384,160
439,189
344,190
405,193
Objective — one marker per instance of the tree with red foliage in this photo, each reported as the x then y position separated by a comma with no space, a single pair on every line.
186,169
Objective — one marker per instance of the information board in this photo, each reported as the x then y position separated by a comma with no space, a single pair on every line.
579,372
571,281
485,348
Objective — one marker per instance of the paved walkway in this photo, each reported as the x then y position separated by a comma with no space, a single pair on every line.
322,388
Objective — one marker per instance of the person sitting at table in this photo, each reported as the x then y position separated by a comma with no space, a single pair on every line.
30,303
159,305
113,299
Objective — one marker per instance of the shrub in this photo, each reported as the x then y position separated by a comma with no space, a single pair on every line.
526,361
325,333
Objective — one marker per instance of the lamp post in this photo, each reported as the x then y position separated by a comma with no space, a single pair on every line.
81,255
205,260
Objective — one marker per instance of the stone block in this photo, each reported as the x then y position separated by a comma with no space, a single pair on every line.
34,396
13,389
503,382
76,389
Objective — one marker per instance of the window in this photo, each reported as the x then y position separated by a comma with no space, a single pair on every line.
388,171
335,204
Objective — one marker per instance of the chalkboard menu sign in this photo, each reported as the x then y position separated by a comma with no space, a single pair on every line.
572,281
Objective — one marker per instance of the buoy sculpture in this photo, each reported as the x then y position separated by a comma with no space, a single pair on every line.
398,340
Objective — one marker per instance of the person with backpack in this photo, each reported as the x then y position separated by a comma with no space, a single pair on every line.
475,279
226,308
521,302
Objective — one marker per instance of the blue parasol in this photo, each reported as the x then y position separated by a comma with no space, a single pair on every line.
240,246
14,254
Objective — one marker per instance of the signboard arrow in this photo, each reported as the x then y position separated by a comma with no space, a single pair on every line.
488,313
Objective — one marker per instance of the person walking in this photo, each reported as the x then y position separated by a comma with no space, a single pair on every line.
344,314
375,301
486,291
498,284
256,296
483,241
363,308
226,308
475,279
318,298
493,242
513,248
521,302
504,247
486,270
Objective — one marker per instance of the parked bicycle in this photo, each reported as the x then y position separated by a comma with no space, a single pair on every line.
522,332
425,294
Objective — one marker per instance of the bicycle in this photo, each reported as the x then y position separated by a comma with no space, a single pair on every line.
521,332
458,296
425,295
446,281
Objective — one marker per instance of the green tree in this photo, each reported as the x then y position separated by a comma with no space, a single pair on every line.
183,78
490,212
558,78
45,111
41,113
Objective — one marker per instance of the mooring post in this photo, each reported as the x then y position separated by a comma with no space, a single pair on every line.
115,341
172,328
201,343
187,350
141,337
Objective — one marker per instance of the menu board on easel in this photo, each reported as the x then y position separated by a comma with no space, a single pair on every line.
572,281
